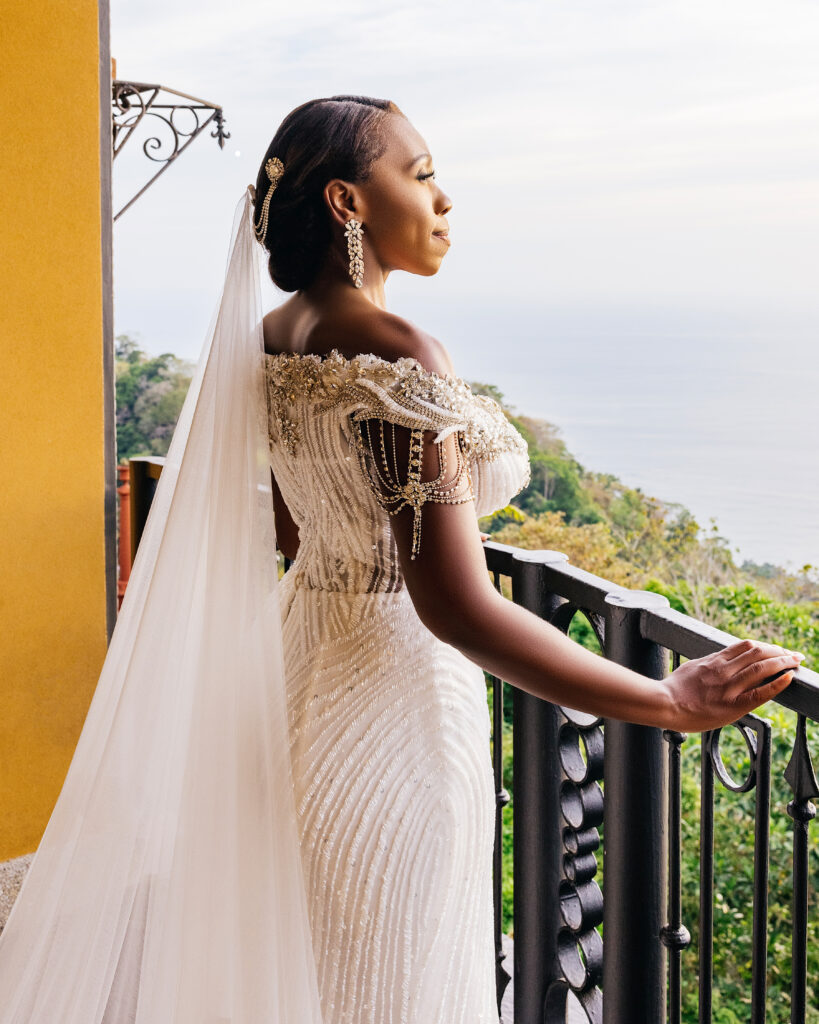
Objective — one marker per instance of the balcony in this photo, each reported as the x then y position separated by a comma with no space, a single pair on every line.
656,962
587,797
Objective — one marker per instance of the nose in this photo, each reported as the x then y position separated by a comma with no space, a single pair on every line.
444,202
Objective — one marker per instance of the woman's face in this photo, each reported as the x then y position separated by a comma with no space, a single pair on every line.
401,206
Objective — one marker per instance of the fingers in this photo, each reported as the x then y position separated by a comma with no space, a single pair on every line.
749,652
751,699
749,676
734,650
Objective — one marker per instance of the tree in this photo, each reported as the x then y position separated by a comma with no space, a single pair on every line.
150,392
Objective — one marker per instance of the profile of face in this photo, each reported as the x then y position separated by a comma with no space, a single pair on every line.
401,205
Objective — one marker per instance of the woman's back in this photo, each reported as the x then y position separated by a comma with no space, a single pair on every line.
389,725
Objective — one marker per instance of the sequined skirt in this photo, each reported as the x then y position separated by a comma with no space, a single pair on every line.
389,731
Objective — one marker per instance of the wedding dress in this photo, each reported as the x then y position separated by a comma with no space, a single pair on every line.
389,726
280,809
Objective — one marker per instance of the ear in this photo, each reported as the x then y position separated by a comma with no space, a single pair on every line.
341,199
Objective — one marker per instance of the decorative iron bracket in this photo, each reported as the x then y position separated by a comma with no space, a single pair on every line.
134,101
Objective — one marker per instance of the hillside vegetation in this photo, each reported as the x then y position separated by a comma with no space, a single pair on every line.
640,541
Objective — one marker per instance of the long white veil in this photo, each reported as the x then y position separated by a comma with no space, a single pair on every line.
167,888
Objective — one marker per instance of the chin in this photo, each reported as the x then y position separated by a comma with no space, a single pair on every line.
431,268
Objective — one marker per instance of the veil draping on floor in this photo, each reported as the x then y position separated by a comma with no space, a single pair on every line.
167,888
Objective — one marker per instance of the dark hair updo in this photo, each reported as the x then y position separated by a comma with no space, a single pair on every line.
336,137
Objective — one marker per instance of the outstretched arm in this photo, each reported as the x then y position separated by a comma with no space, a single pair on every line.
452,593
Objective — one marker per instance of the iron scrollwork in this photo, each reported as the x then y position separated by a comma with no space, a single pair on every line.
756,732
801,778
580,945
133,102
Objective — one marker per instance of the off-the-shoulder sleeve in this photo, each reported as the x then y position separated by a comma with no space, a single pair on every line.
423,403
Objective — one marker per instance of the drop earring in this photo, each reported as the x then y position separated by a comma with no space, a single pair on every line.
355,249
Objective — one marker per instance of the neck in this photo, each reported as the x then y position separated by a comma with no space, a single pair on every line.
333,283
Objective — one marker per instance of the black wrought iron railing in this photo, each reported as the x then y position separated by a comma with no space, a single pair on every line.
563,761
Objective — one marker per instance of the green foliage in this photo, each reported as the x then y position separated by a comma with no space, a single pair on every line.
149,397
556,485
746,611
744,608
507,884
502,517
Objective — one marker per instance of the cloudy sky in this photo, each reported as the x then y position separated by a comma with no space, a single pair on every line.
659,159
622,174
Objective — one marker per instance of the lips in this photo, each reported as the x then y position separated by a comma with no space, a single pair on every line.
443,235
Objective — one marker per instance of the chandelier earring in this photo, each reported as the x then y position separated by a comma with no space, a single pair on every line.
353,230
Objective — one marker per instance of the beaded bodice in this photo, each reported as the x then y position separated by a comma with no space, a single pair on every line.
327,418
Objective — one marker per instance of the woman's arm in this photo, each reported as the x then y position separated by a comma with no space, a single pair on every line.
287,533
452,593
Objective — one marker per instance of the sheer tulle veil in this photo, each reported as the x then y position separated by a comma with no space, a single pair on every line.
167,888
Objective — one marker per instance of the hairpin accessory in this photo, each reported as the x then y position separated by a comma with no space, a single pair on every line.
353,230
275,169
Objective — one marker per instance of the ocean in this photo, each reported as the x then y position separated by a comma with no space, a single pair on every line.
724,421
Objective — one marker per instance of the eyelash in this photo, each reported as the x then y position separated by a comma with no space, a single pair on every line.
423,177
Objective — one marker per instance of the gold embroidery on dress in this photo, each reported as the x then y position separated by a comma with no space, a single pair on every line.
401,391
320,410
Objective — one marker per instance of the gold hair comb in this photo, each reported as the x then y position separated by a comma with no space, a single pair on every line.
275,170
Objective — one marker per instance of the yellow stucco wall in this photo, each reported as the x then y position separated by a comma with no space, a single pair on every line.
52,537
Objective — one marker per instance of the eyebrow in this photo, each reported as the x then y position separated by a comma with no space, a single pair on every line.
420,157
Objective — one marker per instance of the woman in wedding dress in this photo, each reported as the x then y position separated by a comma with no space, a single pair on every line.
281,808
388,617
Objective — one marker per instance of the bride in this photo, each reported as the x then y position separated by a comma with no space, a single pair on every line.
281,807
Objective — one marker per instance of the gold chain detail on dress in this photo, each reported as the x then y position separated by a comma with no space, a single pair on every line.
393,495
400,393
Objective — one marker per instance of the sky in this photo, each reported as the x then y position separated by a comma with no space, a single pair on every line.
633,160
618,170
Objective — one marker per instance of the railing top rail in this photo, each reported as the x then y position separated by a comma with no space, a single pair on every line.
581,588
688,636
693,638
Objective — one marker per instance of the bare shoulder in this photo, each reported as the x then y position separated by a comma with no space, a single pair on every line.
392,337
278,327
351,331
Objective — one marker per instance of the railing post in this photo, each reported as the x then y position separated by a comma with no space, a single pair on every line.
635,838
538,851
144,476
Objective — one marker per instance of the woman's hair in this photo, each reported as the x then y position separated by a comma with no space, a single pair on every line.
336,137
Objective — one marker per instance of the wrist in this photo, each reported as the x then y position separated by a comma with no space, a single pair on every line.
646,701
664,709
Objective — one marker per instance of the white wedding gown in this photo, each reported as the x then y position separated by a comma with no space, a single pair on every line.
280,808
389,726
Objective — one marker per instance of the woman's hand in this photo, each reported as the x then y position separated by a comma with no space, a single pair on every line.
720,688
